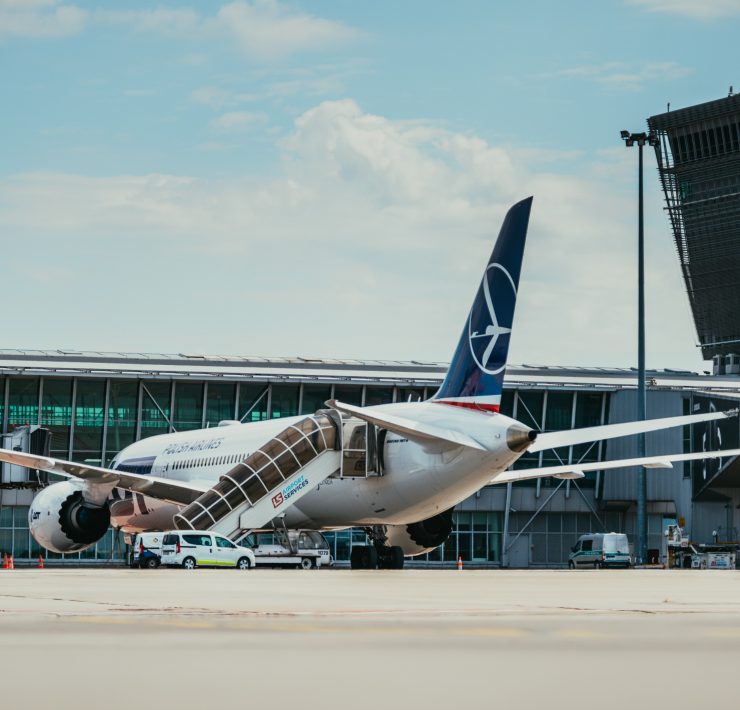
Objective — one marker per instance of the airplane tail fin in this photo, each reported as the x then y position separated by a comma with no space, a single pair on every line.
476,374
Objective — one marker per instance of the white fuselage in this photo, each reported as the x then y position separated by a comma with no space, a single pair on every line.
419,479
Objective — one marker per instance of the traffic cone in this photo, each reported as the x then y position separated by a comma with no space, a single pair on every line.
459,562
10,564
40,565
5,560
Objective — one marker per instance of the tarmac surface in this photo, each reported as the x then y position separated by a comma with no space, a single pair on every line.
119,638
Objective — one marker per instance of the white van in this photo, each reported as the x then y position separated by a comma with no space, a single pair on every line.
203,549
146,550
601,550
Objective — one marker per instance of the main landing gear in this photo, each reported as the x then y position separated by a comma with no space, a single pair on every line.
378,555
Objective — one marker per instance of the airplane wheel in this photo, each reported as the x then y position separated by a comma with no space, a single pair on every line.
363,557
395,558
371,557
357,557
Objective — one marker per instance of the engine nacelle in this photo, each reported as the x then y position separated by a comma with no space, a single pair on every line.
421,537
62,521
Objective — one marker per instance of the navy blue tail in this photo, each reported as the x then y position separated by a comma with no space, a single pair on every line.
476,375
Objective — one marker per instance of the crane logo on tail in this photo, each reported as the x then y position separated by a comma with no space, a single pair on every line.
497,281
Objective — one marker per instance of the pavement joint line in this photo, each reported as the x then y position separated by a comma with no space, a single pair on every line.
368,613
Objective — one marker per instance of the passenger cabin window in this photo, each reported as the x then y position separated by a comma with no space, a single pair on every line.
587,545
223,542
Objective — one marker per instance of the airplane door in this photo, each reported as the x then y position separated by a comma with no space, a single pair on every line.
354,450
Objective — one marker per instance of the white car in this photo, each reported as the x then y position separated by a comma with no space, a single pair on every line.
203,549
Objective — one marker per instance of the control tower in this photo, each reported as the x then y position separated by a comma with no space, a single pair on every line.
698,155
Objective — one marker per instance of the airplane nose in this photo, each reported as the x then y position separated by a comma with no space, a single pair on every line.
519,438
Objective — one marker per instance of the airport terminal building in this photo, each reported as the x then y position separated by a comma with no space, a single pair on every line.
95,404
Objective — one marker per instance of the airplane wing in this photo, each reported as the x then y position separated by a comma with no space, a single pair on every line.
163,488
578,470
569,437
408,427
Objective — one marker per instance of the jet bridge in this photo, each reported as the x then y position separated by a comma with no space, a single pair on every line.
281,472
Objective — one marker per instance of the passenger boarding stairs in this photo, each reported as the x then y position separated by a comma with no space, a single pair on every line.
276,476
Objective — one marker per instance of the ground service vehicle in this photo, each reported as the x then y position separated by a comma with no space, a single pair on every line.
601,550
203,549
146,550
291,548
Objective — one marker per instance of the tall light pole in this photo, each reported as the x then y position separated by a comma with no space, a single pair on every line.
640,139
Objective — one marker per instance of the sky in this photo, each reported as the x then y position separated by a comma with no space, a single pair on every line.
327,179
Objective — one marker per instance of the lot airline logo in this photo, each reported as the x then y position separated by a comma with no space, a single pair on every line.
497,286
289,491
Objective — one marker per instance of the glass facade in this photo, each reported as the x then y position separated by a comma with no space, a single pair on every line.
188,411
284,401
155,408
476,537
220,402
378,395
89,417
56,414
314,397
122,417
349,394
253,399
23,401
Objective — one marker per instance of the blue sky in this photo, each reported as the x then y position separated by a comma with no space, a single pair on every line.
327,178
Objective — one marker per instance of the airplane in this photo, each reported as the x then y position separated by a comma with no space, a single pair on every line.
396,470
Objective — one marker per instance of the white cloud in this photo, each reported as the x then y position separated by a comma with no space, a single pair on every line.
40,18
261,29
275,85
625,74
265,29
163,20
237,121
368,243
212,96
706,10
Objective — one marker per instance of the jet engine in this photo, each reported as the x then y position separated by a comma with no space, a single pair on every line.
421,537
61,520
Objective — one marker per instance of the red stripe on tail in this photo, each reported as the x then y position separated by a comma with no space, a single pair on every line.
478,406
